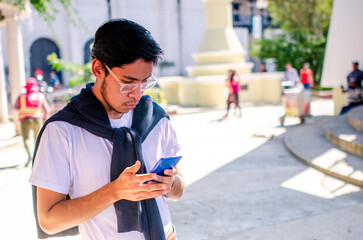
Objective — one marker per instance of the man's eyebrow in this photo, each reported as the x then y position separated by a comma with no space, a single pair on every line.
134,79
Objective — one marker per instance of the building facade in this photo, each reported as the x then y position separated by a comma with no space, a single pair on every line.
176,25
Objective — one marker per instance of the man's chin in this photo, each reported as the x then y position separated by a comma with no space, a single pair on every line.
124,109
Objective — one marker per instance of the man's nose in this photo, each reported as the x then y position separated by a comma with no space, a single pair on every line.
136,93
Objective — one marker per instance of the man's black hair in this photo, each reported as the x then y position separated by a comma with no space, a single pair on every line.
121,41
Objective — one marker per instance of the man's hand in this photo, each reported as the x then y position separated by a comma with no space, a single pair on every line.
129,185
169,179
175,183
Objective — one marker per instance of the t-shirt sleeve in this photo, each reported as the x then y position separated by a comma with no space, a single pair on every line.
171,146
51,169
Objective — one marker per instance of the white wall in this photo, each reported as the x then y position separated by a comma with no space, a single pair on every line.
158,16
344,43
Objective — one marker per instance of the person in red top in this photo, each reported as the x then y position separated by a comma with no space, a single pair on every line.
233,88
33,109
306,76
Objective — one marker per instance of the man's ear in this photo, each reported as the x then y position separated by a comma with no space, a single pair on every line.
97,69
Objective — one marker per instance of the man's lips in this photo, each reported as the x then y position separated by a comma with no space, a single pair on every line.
131,106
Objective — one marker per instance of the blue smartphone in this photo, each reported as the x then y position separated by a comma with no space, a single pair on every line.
164,163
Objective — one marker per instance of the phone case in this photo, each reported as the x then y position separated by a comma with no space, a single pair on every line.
165,163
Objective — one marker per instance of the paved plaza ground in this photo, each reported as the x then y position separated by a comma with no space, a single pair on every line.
242,183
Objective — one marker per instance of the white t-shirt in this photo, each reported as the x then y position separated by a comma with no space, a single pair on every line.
72,161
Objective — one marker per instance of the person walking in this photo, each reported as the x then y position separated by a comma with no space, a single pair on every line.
307,80
306,76
99,149
233,82
33,109
291,75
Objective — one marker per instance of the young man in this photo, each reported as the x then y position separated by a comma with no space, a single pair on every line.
99,148
355,78
354,88
354,82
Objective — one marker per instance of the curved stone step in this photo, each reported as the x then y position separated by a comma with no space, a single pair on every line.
355,118
308,144
342,135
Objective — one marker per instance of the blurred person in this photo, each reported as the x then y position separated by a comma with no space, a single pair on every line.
354,88
39,74
354,84
33,109
233,83
54,80
291,75
263,67
354,78
99,149
306,76
307,80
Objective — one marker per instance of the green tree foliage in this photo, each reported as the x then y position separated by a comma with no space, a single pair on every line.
306,25
294,47
310,16
81,73
47,11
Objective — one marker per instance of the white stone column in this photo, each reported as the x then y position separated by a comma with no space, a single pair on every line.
220,48
13,15
16,56
4,112
219,34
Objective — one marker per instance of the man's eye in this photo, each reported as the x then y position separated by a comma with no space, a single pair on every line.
125,82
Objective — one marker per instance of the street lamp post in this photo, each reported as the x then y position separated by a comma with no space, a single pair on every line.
109,9
262,5
180,36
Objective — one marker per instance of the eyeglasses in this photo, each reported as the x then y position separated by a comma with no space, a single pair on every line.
146,84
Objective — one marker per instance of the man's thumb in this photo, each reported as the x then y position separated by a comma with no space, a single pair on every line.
134,168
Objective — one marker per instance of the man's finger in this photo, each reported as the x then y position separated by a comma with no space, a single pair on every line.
170,172
134,168
153,187
141,178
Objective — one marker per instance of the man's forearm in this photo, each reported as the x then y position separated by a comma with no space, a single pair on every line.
55,213
65,214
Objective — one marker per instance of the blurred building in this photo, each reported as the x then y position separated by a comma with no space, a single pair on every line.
177,26
244,12
250,19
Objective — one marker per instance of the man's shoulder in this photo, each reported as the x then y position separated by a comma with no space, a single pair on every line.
58,125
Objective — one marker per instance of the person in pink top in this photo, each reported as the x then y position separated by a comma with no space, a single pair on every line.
233,89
